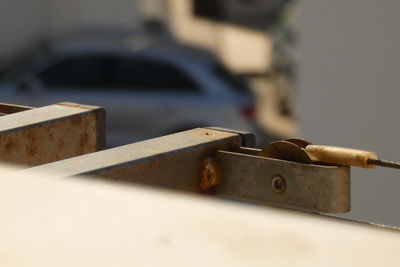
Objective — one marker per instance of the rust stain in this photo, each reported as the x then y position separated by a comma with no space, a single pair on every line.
11,145
31,136
83,141
50,131
8,146
61,145
203,131
211,174
77,121
31,150
30,144
54,140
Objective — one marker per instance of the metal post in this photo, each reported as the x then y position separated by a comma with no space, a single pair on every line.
34,136
204,160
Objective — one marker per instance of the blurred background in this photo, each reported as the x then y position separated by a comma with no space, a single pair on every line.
157,66
323,70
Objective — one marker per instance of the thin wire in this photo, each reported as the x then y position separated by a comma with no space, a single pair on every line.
384,163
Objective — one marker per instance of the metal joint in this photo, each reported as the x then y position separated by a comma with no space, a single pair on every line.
195,161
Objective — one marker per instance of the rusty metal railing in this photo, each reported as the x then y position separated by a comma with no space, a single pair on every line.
33,136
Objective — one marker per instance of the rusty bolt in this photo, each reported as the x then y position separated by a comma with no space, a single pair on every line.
278,184
211,174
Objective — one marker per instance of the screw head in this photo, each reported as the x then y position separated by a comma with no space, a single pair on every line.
278,184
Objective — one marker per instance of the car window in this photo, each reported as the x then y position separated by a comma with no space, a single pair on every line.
152,75
89,72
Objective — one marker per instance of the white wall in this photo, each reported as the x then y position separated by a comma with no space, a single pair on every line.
350,92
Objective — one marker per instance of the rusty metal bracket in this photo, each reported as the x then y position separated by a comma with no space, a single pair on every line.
315,188
214,161
33,136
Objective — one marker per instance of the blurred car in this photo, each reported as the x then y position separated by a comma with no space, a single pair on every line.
148,90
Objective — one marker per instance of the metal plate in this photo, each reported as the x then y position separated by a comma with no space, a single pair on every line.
308,187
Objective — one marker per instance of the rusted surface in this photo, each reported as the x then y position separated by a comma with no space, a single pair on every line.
50,134
173,161
211,174
201,160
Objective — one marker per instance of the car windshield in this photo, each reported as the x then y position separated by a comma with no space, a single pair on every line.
235,82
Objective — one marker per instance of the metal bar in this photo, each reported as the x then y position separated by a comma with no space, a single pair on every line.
172,161
248,139
200,160
41,135
306,187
